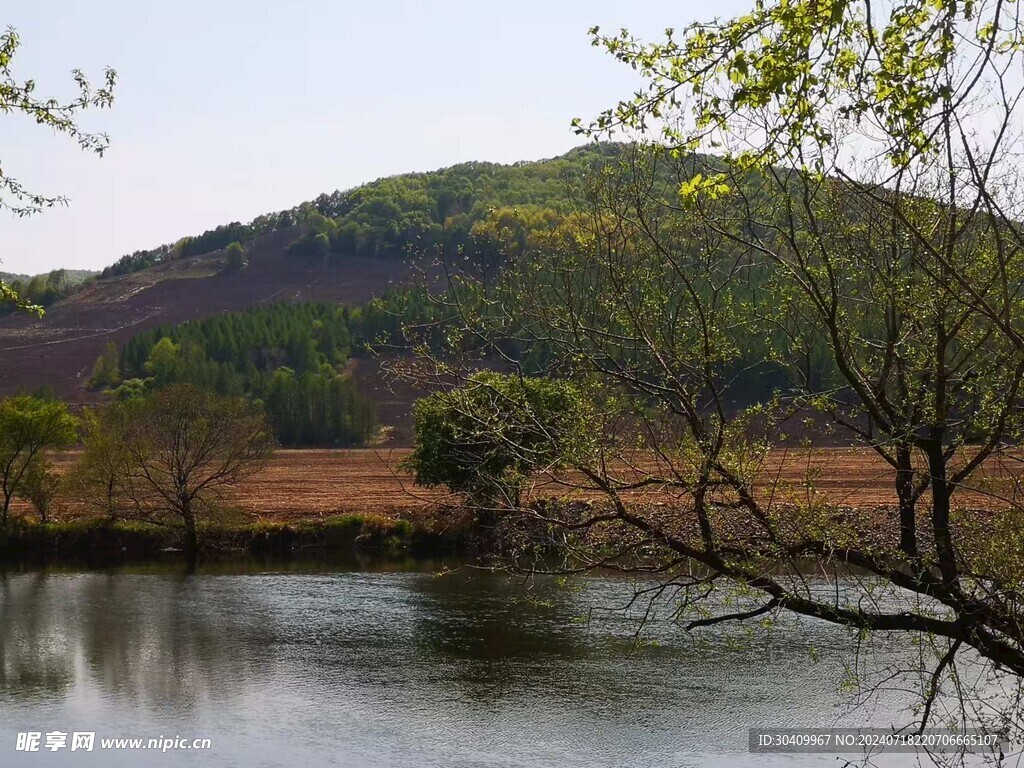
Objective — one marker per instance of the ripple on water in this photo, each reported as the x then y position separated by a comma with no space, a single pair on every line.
397,669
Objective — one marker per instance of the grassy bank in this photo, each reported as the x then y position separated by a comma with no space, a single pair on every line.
108,542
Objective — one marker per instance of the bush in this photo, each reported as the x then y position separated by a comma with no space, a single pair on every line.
484,439
107,370
237,258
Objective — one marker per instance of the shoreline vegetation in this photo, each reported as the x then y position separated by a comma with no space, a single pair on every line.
553,529
103,542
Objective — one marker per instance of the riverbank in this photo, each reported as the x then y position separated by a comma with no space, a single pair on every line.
552,529
99,542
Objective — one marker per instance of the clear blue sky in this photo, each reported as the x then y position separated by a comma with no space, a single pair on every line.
228,109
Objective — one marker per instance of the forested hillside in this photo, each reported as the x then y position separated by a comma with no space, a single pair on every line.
44,290
388,217
288,357
292,359
346,248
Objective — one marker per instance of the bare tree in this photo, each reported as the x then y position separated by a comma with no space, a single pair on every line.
96,478
178,450
40,487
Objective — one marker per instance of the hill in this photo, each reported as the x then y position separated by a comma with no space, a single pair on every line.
70,277
388,217
345,247
59,349
44,289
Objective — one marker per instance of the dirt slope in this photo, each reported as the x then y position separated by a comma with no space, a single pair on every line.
60,349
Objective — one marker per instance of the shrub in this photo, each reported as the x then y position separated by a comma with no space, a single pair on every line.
484,439
237,258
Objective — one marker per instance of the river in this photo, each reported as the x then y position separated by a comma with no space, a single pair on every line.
397,666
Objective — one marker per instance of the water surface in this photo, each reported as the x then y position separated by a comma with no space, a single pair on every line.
400,667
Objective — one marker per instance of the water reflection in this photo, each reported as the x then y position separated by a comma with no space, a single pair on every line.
398,668
496,638
35,657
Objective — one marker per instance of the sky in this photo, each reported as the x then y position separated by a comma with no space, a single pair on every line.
227,109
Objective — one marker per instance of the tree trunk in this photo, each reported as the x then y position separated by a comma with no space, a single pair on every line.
907,505
941,493
111,511
191,538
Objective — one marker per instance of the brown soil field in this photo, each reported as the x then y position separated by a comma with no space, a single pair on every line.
300,484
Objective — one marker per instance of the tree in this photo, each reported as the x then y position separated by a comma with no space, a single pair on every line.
57,282
164,361
107,370
177,451
284,355
236,257
40,487
60,116
96,478
773,85
313,245
485,438
859,207
28,427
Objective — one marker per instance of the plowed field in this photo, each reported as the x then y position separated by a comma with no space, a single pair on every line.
299,484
